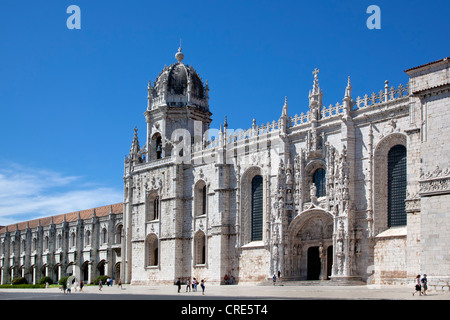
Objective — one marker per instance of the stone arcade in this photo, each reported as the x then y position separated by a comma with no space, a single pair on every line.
358,190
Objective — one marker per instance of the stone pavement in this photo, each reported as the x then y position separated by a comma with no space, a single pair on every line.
249,291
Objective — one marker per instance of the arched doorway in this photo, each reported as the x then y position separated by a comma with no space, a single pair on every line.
85,272
101,268
311,242
117,271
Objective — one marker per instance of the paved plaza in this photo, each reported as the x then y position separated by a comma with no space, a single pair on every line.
229,292
225,302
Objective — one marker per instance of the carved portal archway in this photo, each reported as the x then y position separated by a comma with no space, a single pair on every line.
310,244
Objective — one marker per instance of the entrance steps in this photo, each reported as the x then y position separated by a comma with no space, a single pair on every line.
313,283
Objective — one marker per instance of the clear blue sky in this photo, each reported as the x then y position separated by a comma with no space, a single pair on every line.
70,98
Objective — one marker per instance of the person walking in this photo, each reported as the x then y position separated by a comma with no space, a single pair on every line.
202,284
100,285
195,283
119,284
178,283
424,284
418,287
274,278
81,285
188,286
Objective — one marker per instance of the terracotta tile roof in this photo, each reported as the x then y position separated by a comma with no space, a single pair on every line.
71,216
427,64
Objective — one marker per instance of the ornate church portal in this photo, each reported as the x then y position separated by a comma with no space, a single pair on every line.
311,246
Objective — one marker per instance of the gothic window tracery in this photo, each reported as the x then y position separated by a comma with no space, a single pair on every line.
257,208
319,182
152,206
396,186
389,182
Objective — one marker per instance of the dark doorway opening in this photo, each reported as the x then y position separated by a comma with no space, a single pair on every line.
329,261
313,263
101,268
85,272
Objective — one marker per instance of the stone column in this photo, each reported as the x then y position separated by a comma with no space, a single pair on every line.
323,262
89,268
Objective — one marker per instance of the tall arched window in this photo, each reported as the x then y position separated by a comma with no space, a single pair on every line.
158,147
204,200
59,242
118,238
104,236
396,186
88,238
152,206
200,194
152,250
199,248
72,240
319,182
257,208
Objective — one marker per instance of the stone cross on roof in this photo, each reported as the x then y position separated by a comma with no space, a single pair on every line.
315,72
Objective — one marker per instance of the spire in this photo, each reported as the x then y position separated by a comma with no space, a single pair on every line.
285,108
316,81
348,90
135,149
315,95
149,95
348,101
135,144
284,117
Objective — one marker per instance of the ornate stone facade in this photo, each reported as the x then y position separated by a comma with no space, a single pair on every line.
325,191
358,190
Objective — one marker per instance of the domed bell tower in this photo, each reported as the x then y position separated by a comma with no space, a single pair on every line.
177,113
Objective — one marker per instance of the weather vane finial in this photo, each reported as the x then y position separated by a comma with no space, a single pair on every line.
179,55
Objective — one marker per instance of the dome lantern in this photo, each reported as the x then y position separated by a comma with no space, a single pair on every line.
178,85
